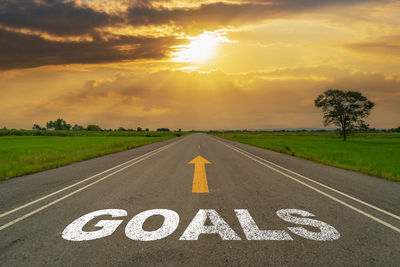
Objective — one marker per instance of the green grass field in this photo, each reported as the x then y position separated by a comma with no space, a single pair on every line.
27,154
376,154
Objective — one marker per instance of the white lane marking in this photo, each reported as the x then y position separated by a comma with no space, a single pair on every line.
134,228
77,183
317,190
82,188
320,184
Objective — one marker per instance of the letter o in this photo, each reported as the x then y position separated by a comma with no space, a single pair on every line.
134,228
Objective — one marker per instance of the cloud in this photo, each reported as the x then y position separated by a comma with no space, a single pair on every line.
68,18
216,100
62,18
387,46
52,32
26,51
224,14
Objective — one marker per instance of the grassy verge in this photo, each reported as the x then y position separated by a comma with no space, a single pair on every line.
27,154
377,154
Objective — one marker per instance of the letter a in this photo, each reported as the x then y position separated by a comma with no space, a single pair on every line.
219,226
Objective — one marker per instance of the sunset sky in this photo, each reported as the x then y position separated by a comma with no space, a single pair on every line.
195,64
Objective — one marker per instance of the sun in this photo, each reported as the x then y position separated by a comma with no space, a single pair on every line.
201,49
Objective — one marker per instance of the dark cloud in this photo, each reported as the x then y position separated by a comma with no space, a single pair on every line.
26,51
220,14
65,18
55,17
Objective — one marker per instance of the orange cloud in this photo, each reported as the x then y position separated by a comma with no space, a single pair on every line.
213,100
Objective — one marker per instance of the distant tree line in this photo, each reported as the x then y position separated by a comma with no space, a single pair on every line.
397,130
369,130
162,130
60,124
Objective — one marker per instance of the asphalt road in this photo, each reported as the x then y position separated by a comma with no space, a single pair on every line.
258,211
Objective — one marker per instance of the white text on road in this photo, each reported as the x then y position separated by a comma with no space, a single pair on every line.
134,229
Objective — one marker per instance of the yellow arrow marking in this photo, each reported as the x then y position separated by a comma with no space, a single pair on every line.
199,178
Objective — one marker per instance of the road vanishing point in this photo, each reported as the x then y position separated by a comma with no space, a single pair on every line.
199,200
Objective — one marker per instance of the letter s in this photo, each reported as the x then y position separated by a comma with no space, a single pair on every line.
74,232
327,232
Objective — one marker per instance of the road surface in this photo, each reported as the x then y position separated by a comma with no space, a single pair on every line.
234,205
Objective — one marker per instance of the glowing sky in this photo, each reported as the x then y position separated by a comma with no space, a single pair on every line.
195,64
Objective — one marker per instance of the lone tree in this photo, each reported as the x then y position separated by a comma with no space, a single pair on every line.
346,109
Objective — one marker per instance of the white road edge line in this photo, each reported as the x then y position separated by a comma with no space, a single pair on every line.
82,181
320,184
317,190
